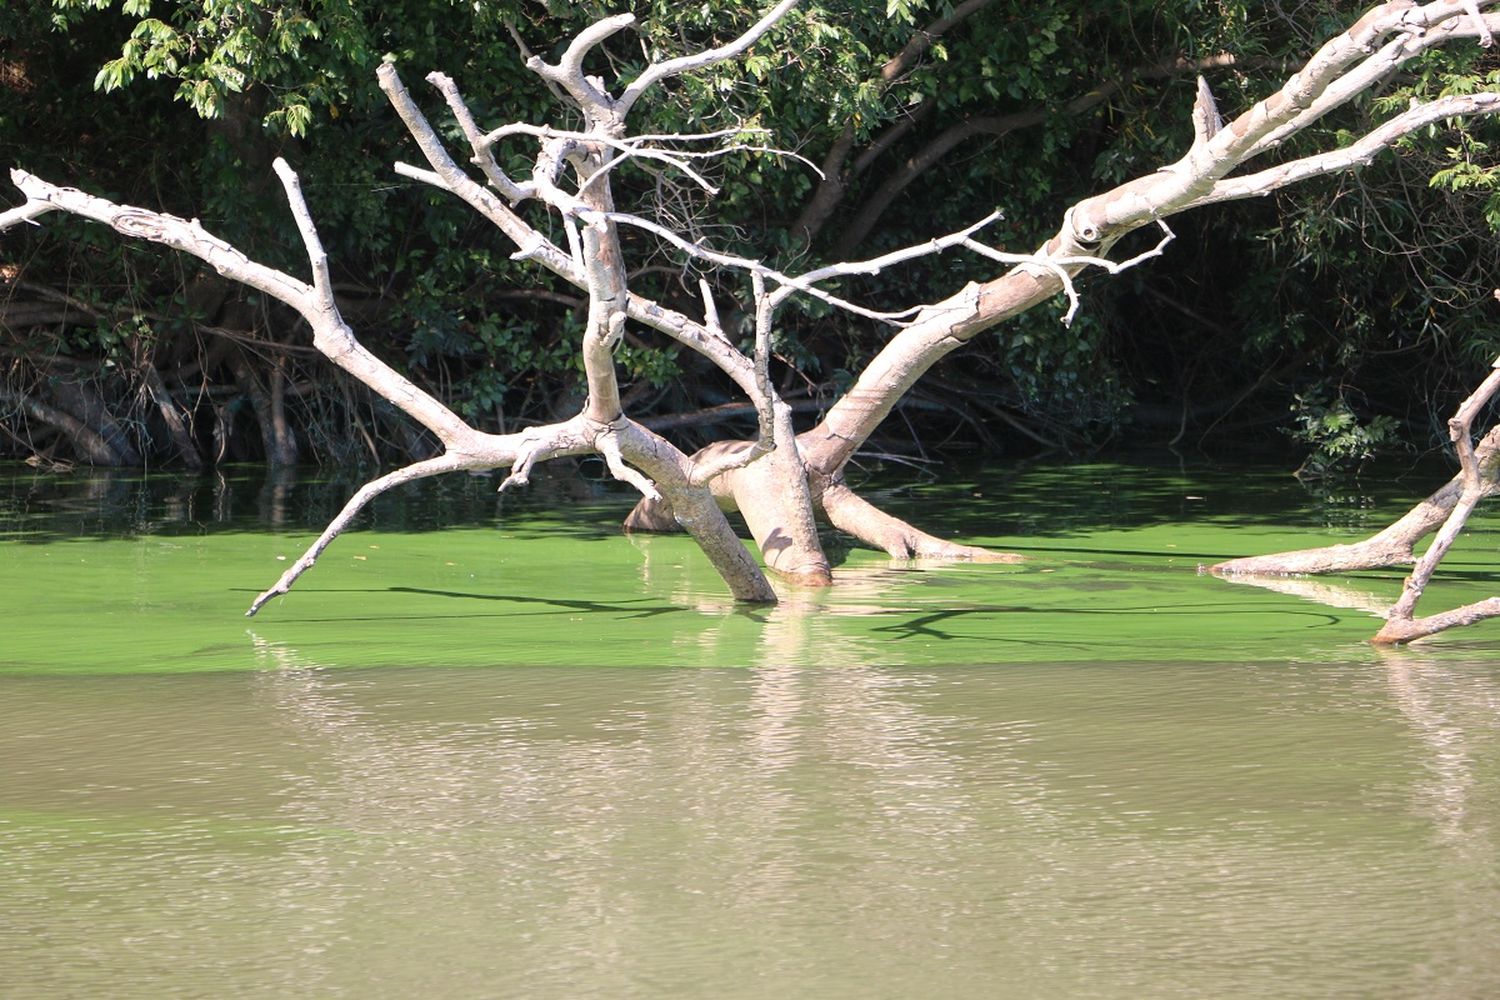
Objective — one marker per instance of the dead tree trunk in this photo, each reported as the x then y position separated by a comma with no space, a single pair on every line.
783,480
1446,512
1479,477
182,438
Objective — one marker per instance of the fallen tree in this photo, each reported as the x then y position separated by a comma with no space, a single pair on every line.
1444,513
785,481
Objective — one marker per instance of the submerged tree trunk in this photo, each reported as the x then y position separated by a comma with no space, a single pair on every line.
1444,512
1392,546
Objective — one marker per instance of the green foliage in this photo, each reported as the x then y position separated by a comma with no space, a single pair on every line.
1336,435
183,105
300,54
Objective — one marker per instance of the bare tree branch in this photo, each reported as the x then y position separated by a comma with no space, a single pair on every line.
781,479
29,212
657,72
366,493
803,283
1096,223
1478,481
1358,154
869,212
484,158
587,92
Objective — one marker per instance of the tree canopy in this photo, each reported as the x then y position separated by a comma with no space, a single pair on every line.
1347,318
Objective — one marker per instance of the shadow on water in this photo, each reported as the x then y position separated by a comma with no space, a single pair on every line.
926,624
622,609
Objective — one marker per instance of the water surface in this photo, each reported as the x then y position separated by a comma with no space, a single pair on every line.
492,748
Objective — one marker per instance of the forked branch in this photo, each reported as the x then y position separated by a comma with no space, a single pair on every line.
1479,480
657,72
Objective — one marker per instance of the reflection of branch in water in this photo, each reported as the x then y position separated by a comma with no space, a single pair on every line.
571,805
1317,591
1411,681
277,655
1453,708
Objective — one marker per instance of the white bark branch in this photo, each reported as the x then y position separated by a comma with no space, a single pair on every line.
627,147
875,265
1358,154
186,235
366,493
607,441
459,183
1064,266
316,255
533,245
483,158
764,399
1381,41
657,72
1372,71
538,444
803,283
1477,20
742,264
1401,626
1310,92
29,212
710,307
568,73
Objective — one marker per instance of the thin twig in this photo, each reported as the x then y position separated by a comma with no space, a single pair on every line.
657,72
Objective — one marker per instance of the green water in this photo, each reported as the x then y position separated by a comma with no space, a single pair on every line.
487,749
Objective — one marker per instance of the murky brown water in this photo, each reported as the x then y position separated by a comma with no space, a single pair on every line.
1117,830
